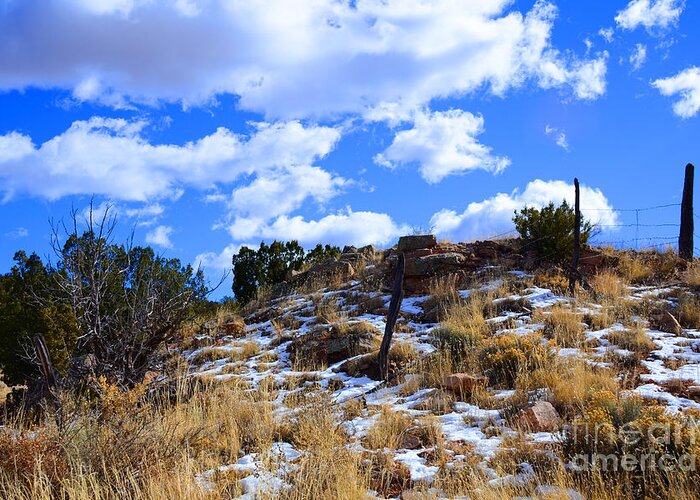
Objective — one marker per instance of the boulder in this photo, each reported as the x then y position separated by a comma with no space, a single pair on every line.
351,257
694,392
415,242
591,260
464,383
540,417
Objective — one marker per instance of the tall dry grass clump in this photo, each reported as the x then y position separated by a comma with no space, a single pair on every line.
443,295
463,328
389,430
688,311
572,383
608,285
127,444
634,268
633,339
691,275
562,324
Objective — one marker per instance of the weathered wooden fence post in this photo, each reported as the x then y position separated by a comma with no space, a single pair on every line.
394,307
573,272
685,238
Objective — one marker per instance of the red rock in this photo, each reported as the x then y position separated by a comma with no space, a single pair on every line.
541,417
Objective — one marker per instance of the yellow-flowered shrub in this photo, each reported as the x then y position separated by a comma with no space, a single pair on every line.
504,356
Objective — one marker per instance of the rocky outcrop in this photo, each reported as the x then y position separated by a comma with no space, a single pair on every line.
426,259
416,242
353,254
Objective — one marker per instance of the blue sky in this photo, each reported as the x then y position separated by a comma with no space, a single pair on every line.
212,124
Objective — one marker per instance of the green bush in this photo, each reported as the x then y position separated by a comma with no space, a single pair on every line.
26,310
549,231
269,265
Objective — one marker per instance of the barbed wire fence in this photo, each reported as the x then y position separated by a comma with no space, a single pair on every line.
647,235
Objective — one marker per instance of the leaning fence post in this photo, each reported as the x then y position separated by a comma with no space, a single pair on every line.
573,272
685,238
394,307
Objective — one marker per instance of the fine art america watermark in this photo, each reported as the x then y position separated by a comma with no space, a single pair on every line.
658,447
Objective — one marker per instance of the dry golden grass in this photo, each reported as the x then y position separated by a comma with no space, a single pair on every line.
608,285
443,295
691,276
328,311
634,268
432,369
248,349
210,354
688,311
389,430
572,382
634,339
554,280
468,317
463,328
561,324
128,447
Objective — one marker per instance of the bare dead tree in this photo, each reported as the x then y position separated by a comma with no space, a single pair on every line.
127,301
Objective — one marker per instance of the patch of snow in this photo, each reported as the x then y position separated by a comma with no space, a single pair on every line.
416,465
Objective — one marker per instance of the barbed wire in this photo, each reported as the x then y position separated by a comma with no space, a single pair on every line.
643,209
639,240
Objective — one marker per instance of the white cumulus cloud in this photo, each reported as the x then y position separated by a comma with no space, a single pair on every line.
286,59
220,261
493,216
638,56
608,34
650,14
442,144
342,228
686,85
111,157
160,235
